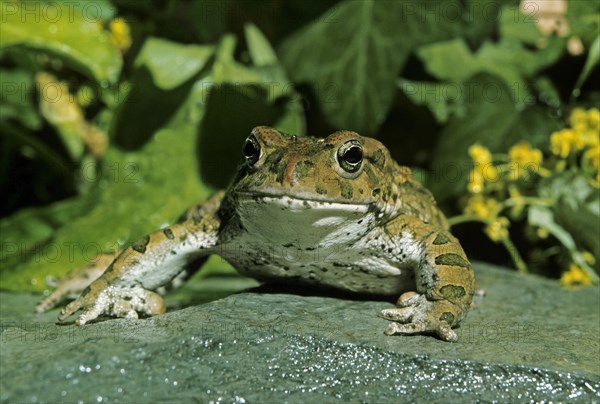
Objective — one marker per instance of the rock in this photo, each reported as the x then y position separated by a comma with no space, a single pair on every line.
527,340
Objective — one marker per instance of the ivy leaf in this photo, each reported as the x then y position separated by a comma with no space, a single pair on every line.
352,56
260,49
79,40
544,217
14,104
489,114
577,207
170,63
264,57
508,60
442,99
583,19
591,62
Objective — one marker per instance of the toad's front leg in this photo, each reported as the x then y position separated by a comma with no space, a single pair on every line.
128,285
444,285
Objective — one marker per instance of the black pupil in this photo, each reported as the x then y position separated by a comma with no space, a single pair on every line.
353,155
250,149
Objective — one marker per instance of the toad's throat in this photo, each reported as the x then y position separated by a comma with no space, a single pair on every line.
302,222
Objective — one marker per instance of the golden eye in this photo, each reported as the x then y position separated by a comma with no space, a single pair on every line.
251,150
350,156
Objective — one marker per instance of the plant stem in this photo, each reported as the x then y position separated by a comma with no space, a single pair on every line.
514,254
454,220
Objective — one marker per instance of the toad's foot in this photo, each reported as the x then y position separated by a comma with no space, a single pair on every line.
113,301
71,286
418,315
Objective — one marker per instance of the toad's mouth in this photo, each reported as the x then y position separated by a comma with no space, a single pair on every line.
306,200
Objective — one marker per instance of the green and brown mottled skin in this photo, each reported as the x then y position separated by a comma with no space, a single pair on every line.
353,218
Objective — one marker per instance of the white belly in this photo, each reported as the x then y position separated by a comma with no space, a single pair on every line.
295,242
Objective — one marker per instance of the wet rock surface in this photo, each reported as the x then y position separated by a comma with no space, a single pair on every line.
528,339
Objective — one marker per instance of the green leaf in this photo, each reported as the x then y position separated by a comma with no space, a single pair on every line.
442,99
264,57
508,60
438,56
543,217
28,233
533,125
171,63
547,92
260,49
351,58
15,103
584,20
491,119
489,114
69,34
519,23
577,207
591,62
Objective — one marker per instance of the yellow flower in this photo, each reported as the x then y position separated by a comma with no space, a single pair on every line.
542,232
476,181
593,120
579,119
480,155
575,276
590,138
120,33
525,157
491,173
498,229
483,171
591,159
481,207
586,125
588,257
566,141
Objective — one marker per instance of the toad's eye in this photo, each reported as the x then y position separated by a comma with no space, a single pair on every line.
251,150
350,156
